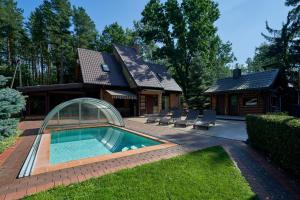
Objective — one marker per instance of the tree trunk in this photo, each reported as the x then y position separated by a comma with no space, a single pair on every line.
9,49
42,68
61,71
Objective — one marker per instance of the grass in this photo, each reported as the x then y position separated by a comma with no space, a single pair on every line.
9,141
206,174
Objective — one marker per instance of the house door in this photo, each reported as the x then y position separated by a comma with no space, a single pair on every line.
220,109
149,104
233,105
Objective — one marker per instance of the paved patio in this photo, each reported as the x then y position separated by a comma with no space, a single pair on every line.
265,180
229,129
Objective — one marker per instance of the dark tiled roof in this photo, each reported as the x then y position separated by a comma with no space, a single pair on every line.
166,80
138,69
146,74
251,81
92,73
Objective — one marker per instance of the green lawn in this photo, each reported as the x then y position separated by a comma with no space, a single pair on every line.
9,141
206,174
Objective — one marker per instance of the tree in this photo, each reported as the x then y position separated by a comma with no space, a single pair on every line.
3,80
11,102
60,36
186,38
11,24
40,38
284,44
85,33
262,59
114,33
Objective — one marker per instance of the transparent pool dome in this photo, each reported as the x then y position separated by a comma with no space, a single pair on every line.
82,111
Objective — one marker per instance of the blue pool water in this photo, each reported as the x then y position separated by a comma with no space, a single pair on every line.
75,144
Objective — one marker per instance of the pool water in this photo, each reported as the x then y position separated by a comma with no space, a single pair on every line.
75,144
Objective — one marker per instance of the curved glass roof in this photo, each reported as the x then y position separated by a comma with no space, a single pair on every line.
82,111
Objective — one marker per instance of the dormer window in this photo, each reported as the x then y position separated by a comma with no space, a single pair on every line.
105,68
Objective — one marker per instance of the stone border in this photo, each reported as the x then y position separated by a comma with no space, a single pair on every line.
42,164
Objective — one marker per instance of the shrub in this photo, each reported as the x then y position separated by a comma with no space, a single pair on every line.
9,141
11,102
8,127
279,137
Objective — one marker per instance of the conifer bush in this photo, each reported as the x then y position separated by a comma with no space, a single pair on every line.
12,102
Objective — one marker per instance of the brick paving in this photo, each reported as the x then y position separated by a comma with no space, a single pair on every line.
266,180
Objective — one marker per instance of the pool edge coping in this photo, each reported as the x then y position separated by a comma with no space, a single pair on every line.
42,164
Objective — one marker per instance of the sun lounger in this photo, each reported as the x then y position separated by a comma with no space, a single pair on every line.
156,118
190,119
209,118
176,115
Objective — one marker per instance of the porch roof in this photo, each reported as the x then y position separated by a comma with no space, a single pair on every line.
43,88
121,94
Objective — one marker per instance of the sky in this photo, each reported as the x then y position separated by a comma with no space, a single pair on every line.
241,21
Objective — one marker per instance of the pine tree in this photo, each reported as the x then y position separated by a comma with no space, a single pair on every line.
11,25
85,33
284,44
60,36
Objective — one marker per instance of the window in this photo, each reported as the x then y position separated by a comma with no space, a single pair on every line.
250,101
105,67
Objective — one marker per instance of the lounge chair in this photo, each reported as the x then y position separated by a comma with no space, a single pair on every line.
190,119
156,118
209,118
176,115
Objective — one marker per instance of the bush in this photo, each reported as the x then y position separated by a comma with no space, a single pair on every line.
11,102
279,137
8,127
9,141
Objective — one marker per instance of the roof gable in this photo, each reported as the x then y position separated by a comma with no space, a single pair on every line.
146,74
251,81
138,69
92,72
164,77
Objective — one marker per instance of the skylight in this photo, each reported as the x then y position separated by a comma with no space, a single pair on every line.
105,68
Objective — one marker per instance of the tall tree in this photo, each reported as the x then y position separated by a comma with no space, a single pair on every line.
284,44
85,33
262,59
187,40
60,36
11,25
40,38
114,33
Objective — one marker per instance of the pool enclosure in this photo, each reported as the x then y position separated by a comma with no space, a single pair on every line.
82,111
76,112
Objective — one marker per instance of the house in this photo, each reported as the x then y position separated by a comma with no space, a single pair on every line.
124,79
253,93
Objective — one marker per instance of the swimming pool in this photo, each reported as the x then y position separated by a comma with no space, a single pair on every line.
67,147
75,144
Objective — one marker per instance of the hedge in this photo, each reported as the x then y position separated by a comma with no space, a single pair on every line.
279,137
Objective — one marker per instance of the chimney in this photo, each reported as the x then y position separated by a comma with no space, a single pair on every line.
236,73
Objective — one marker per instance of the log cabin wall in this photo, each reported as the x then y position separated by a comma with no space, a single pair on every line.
220,103
259,108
